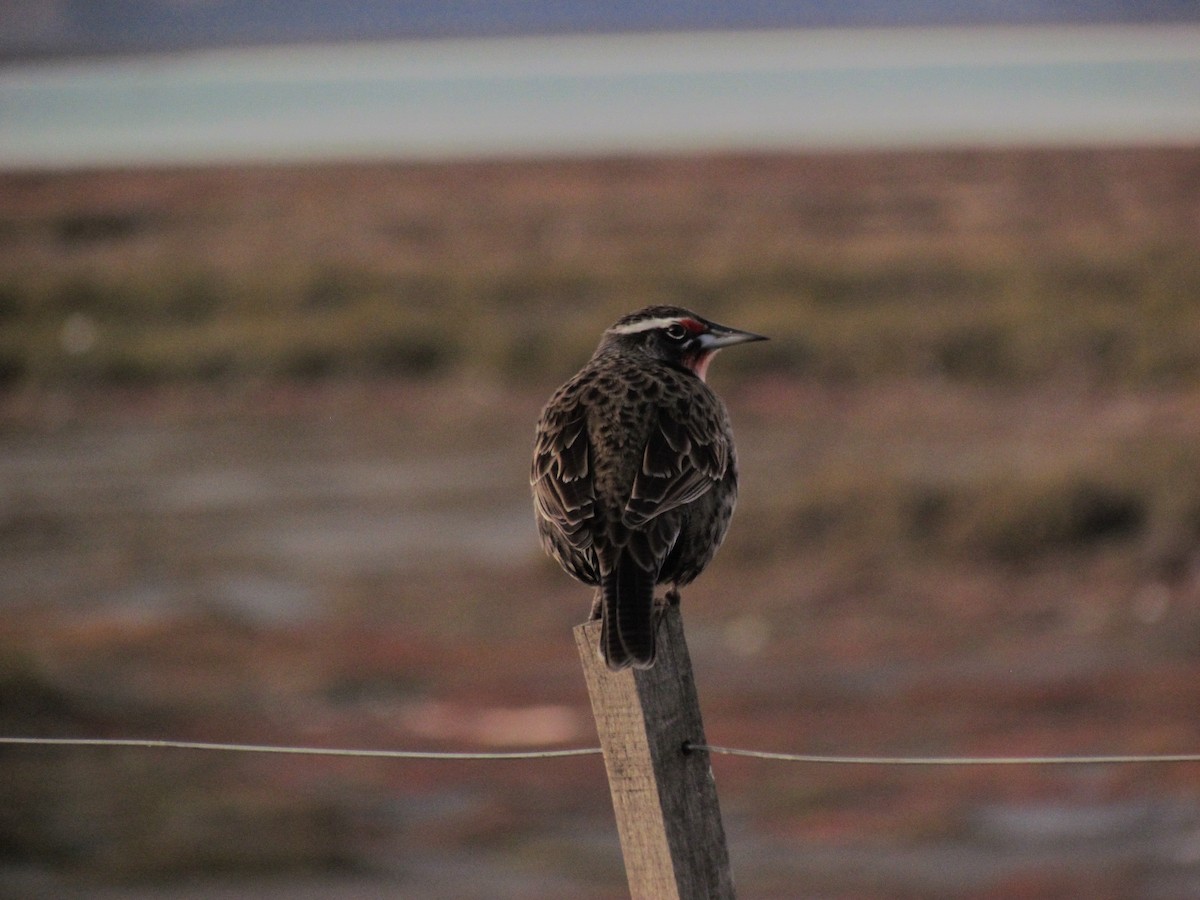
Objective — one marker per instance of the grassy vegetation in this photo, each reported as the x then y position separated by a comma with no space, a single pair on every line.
968,523
1028,513
964,266
1133,322
1009,272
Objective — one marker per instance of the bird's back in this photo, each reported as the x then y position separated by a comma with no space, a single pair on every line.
634,475
629,409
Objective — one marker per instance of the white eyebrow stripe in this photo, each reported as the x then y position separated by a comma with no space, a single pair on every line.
644,325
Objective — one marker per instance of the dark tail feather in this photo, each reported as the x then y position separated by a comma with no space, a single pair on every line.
627,626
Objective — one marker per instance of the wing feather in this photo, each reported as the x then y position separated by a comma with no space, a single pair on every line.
563,493
680,463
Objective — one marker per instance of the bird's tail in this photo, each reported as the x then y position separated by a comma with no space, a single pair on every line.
627,615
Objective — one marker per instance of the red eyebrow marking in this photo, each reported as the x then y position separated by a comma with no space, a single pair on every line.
692,325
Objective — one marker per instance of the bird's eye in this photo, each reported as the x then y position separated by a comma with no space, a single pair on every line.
676,332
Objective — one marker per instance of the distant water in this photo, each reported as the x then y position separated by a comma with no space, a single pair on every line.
610,94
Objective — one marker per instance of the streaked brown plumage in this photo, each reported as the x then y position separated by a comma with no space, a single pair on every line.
634,472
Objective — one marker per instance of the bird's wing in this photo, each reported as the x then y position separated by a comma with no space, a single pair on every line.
561,476
682,461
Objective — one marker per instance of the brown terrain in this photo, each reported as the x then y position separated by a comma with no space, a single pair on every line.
263,449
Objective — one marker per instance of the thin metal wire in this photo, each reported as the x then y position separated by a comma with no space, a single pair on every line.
1127,759
307,751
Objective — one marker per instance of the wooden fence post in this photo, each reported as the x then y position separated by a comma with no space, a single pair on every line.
665,800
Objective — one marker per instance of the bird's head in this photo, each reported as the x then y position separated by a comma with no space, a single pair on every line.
673,335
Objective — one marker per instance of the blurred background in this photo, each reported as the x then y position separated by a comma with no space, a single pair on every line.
283,288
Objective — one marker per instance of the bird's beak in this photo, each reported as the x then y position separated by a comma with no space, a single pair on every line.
719,336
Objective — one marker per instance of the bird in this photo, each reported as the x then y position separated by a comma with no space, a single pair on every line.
634,474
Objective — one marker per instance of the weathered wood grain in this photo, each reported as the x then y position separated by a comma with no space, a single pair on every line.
665,800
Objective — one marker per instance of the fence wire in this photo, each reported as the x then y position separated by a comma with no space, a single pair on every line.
1119,759
301,751
1106,760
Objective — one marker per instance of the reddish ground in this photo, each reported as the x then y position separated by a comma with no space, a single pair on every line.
922,563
